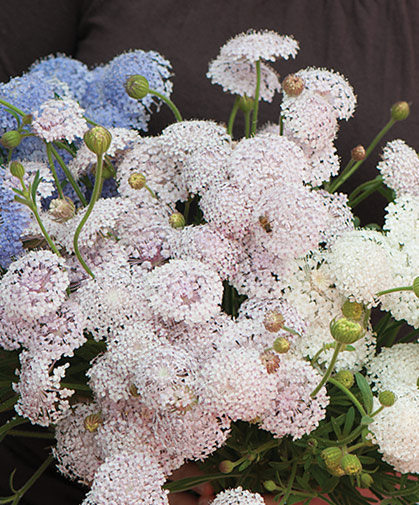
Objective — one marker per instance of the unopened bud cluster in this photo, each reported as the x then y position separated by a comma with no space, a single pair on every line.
62,209
98,139
346,331
293,85
137,87
340,464
358,153
400,111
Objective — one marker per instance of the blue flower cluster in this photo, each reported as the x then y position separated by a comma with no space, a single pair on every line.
14,218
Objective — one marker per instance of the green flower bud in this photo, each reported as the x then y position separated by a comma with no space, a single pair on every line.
176,220
387,398
92,422
62,209
11,139
345,331
270,486
415,286
365,480
331,457
353,310
293,85
137,87
273,321
98,139
338,471
281,345
136,180
226,466
358,153
400,111
246,103
351,464
17,169
346,378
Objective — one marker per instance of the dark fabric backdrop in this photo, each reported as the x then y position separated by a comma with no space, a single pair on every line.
374,43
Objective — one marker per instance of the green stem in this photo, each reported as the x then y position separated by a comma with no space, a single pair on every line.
247,124
281,125
329,370
168,102
344,176
43,229
10,106
63,145
233,115
356,201
54,172
93,199
290,484
393,290
69,175
152,193
365,186
256,104
349,395
14,499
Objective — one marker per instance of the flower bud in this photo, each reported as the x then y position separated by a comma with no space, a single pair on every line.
351,464
136,180
270,486
415,286
176,220
98,139
137,87
400,111
92,422
270,360
331,457
293,85
281,345
273,321
27,119
11,139
338,471
353,310
365,480
62,209
345,331
246,103
226,466
17,169
387,398
133,391
346,378
358,153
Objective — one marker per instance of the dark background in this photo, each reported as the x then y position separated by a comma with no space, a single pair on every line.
374,43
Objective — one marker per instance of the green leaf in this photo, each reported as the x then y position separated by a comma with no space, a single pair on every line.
244,465
189,483
349,348
34,186
367,420
367,396
349,421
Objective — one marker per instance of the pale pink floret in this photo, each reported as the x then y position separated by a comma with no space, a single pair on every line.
238,496
59,120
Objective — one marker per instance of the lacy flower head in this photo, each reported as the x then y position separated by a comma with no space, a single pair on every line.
235,67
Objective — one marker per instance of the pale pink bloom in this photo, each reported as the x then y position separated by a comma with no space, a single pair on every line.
400,168
59,120
165,378
263,44
207,245
309,120
235,383
184,290
41,398
77,453
127,478
35,285
333,87
238,76
295,413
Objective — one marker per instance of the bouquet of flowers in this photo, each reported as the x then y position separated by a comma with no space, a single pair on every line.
199,297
